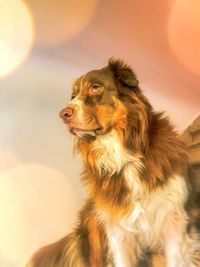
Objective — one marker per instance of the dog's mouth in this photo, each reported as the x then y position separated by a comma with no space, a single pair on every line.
85,132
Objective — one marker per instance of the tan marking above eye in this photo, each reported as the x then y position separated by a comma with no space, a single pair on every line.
87,84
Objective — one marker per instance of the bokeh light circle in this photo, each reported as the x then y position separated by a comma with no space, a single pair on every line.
7,160
184,33
56,21
38,206
16,34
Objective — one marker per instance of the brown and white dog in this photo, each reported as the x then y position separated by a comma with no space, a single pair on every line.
135,173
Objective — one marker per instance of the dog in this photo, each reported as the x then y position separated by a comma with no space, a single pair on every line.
135,171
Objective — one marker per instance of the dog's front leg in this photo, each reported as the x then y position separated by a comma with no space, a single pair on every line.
123,247
177,247
97,244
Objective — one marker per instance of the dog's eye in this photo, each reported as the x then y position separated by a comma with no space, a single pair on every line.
95,89
73,96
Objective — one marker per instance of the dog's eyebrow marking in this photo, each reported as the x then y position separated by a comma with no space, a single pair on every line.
81,82
87,84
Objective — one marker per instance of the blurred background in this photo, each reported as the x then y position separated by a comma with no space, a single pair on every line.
44,46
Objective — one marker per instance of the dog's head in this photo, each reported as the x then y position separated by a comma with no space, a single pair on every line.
107,99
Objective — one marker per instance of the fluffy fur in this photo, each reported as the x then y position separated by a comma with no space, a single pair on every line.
135,173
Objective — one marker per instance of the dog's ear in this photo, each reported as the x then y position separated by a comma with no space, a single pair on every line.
123,73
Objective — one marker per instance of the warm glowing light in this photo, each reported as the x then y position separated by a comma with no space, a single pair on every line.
56,21
184,33
37,206
7,160
16,34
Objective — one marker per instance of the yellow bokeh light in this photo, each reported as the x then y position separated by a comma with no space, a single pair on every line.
38,205
184,33
16,34
7,160
56,21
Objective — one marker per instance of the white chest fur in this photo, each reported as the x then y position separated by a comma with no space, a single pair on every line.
112,156
150,211
145,225
149,208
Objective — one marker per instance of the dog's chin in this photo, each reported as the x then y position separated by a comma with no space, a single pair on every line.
86,134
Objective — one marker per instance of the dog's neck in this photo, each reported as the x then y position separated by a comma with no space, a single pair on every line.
108,155
109,166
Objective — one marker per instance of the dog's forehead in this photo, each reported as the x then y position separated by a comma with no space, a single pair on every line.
93,75
101,76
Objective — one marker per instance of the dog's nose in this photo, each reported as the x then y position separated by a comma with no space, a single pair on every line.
66,114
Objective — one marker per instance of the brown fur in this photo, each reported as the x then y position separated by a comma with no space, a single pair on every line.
86,246
108,103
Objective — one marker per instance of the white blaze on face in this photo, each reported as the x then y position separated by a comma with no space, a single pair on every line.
77,106
80,127
78,122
